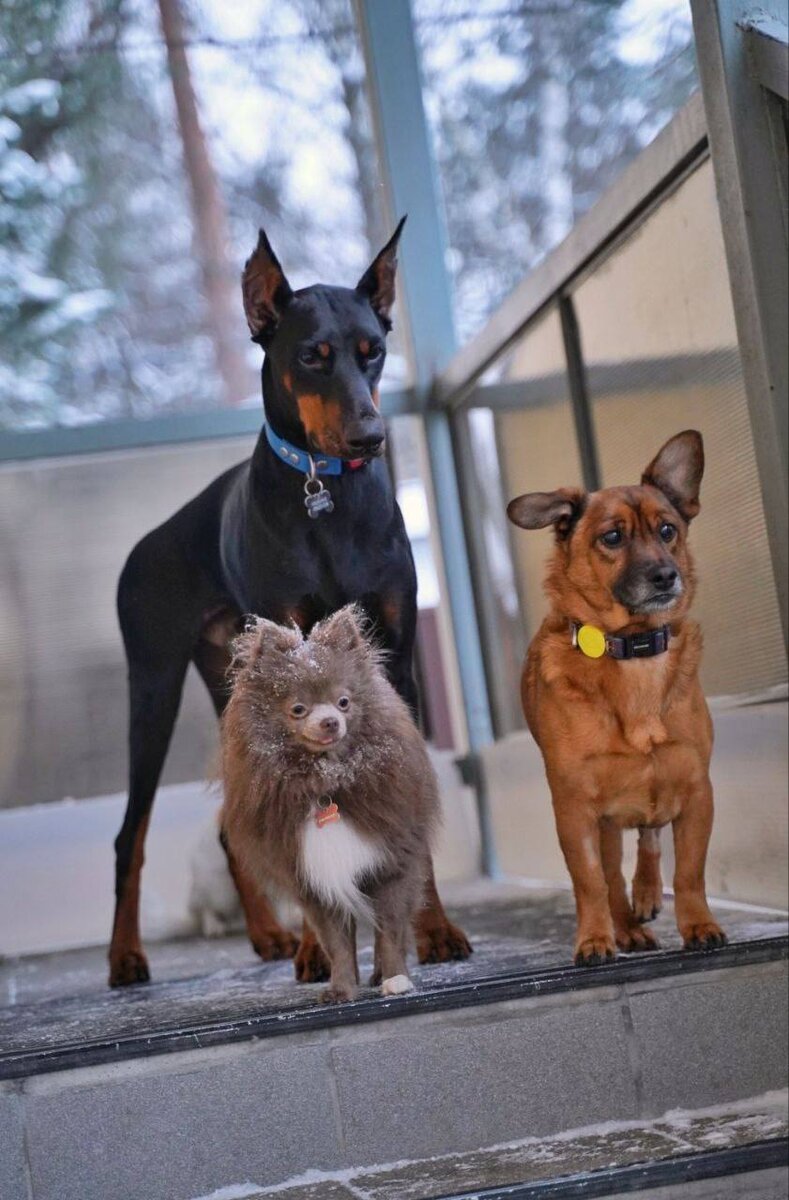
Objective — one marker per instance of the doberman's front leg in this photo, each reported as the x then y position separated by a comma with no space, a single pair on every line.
437,938
311,964
154,702
269,940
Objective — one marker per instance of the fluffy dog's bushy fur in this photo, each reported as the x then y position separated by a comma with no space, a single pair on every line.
280,766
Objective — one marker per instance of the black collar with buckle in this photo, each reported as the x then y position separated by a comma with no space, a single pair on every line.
594,643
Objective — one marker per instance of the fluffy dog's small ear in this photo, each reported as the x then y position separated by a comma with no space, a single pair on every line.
261,636
676,471
266,291
537,510
378,282
343,630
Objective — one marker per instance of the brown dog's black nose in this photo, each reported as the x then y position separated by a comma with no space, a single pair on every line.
663,578
330,725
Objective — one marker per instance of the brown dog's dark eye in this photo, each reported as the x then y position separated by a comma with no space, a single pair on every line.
667,531
298,711
612,539
343,704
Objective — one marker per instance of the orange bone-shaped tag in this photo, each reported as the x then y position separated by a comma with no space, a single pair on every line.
324,816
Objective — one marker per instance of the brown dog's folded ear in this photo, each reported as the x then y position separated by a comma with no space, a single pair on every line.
378,282
261,636
344,630
676,471
265,289
536,510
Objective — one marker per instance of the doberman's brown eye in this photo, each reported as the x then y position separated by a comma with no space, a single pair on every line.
612,538
667,531
310,358
298,711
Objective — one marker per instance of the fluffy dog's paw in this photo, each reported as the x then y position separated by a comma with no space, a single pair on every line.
128,968
594,951
398,985
274,944
442,943
632,938
310,964
338,995
704,935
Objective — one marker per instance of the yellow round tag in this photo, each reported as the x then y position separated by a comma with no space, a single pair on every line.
591,641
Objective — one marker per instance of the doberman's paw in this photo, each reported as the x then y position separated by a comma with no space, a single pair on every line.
376,978
632,938
595,950
442,943
128,968
311,964
338,995
647,898
704,935
273,944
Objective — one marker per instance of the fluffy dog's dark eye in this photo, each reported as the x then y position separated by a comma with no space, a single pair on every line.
667,531
298,710
343,704
612,538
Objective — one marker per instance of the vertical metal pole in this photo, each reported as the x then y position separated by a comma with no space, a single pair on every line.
579,394
750,165
395,88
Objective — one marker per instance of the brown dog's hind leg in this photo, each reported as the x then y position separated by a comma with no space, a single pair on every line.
692,828
269,940
437,939
628,932
647,882
310,964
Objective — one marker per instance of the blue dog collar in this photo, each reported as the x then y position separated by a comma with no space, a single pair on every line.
300,460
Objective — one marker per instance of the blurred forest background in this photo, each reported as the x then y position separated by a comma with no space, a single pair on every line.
142,143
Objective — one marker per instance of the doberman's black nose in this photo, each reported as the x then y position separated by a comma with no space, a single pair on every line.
330,725
663,578
365,445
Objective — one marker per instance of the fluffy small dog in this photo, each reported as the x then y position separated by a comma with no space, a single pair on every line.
611,693
329,793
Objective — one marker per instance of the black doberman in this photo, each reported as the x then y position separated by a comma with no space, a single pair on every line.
262,539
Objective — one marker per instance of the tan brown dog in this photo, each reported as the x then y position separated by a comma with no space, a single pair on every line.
329,792
612,696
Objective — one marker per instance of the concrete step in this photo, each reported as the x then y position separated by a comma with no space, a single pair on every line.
236,1076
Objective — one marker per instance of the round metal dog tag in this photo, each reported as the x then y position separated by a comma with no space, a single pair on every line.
591,640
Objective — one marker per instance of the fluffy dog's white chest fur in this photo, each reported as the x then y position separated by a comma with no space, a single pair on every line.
333,861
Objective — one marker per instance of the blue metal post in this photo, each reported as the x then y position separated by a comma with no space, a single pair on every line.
395,87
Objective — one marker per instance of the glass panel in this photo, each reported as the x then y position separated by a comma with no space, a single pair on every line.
660,345
132,183
535,109
528,448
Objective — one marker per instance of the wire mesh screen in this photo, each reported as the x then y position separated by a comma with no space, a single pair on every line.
660,345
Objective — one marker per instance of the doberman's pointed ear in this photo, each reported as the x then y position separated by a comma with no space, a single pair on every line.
378,282
537,510
676,471
265,289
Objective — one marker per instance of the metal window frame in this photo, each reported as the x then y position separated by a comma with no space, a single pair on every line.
739,48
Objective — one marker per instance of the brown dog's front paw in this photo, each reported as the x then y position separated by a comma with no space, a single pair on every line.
704,935
338,995
594,951
632,938
274,944
310,964
442,943
128,968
